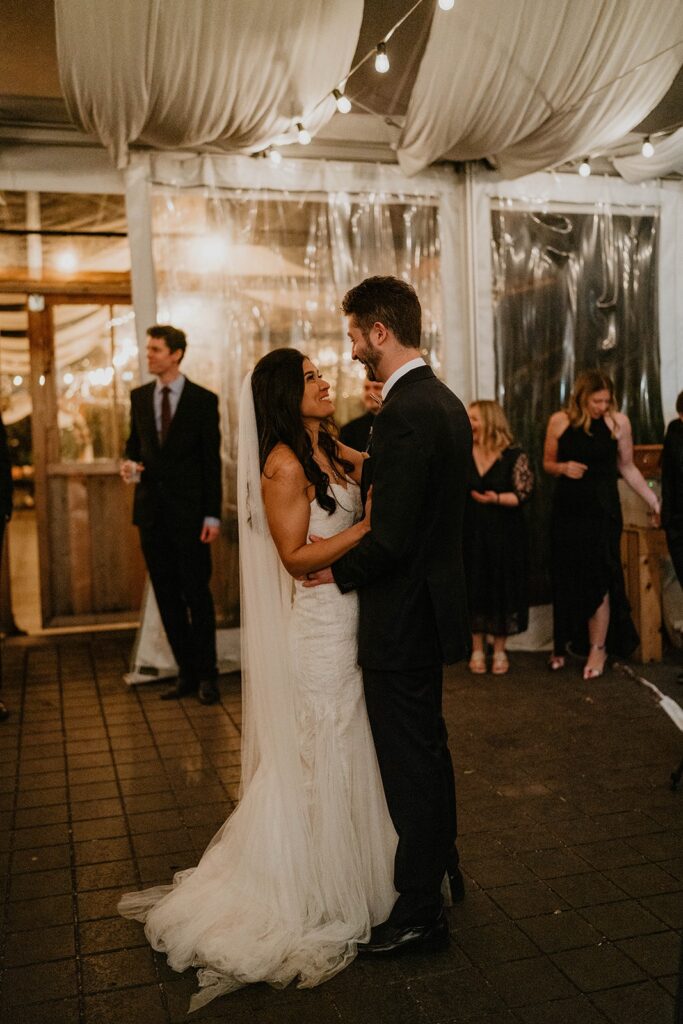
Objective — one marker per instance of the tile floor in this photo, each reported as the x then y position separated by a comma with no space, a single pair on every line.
571,843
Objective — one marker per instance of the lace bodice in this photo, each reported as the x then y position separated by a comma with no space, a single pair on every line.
324,619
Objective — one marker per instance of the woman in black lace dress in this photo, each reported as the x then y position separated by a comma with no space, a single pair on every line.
495,536
587,446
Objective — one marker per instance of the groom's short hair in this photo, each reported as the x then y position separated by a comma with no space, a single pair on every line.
389,301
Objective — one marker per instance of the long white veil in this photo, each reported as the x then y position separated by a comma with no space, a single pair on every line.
269,720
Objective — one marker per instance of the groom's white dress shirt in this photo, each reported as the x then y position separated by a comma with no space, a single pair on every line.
401,372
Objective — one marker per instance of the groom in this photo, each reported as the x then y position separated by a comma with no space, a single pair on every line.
413,610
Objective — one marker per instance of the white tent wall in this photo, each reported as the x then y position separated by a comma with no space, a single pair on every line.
307,176
569,191
464,207
465,227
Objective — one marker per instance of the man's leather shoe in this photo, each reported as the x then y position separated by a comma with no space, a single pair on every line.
388,939
181,688
456,884
208,692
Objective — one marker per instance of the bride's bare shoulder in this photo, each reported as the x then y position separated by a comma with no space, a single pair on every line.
283,467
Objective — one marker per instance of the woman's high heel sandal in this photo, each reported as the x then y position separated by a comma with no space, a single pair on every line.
556,662
477,663
594,673
500,664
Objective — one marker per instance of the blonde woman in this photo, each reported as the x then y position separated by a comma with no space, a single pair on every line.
495,536
587,446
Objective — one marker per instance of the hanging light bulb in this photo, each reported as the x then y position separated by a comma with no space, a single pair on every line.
382,60
275,157
585,167
647,149
446,5
304,135
343,102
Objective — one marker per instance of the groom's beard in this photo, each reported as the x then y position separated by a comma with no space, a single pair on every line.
370,360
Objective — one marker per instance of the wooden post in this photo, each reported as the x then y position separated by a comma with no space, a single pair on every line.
641,551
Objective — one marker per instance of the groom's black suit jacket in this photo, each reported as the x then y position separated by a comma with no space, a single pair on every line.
182,478
408,570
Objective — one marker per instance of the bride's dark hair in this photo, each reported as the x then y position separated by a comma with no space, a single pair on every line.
277,384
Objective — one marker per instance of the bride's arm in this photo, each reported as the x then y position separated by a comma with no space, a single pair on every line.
357,458
288,510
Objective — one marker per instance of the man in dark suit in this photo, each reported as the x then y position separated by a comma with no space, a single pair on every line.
6,487
356,433
174,451
413,611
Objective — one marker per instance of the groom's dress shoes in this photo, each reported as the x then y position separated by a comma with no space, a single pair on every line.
208,692
388,939
181,688
457,885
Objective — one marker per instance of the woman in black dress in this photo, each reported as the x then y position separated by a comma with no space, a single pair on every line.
495,537
587,446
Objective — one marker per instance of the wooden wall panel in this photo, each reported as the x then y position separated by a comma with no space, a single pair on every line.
96,566
225,580
80,548
57,573
117,568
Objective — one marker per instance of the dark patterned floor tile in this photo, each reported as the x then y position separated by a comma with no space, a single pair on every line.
119,969
555,932
523,982
40,946
622,920
646,1003
658,955
597,967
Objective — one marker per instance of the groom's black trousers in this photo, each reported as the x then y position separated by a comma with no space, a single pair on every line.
410,737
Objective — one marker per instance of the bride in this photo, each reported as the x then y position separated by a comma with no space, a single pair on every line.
303,868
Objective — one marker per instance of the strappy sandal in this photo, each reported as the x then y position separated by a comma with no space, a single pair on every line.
500,664
477,663
556,662
595,673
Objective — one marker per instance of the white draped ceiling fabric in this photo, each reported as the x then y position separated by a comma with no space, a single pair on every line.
666,159
524,84
179,74
529,85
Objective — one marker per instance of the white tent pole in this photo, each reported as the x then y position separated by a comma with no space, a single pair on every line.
143,282
454,290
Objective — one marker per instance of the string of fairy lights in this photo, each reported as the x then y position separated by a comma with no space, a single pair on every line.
647,149
382,65
338,93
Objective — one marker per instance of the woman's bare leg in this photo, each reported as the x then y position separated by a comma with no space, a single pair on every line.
598,625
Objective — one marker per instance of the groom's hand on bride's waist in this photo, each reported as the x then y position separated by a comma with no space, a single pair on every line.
314,579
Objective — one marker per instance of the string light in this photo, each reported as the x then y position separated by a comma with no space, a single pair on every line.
343,102
585,167
304,134
275,156
647,148
446,5
66,261
382,59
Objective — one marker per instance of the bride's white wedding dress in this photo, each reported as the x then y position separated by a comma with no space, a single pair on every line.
304,865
